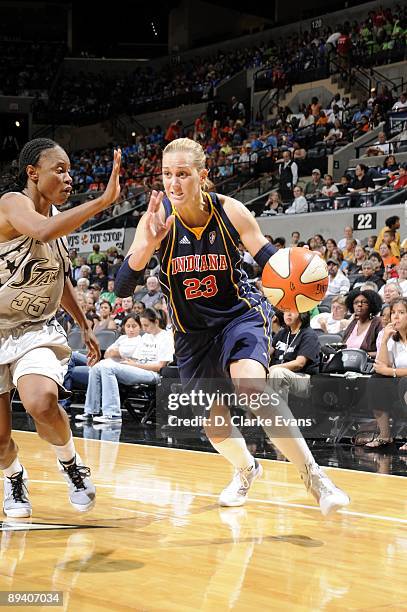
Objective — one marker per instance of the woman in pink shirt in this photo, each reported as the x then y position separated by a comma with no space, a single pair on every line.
363,330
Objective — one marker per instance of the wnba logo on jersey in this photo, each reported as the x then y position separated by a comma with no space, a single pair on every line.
212,237
36,274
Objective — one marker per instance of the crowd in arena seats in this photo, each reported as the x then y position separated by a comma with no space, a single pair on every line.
86,97
34,67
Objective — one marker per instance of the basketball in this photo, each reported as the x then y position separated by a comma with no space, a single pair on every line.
295,279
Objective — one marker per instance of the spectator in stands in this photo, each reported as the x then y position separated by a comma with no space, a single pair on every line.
401,104
330,245
338,283
295,238
298,152
363,330
105,320
348,233
314,187
127,308
332,322
279,242
237,110
294,355
380,147
274,203
388,259
288,176
306,120
329,189
390,166
399,180
140,364
109,295
96,256
344,185
349,251
362,181
402,272
100,276
367,273
360,256
300,204
390,291
153,294
335,134
174,131
391,363
392,225
84,271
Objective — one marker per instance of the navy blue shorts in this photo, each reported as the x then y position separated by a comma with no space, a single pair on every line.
207,355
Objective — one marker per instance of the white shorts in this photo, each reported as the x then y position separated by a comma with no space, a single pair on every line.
38,349
42,361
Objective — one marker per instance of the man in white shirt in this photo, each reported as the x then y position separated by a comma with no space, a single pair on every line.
401,104
338,283
348,235
300,204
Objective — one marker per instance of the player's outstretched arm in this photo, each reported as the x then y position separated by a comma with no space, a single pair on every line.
151,230
17,210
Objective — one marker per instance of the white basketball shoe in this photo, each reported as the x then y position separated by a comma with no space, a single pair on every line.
235,494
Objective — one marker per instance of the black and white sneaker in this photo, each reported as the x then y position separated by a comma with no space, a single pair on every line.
16,503
82,492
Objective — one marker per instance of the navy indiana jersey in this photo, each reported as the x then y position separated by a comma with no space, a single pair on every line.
201,273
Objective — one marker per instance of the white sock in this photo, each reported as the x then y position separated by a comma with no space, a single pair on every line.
13,468
234,449
65,453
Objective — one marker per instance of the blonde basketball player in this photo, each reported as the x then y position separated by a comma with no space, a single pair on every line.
222,323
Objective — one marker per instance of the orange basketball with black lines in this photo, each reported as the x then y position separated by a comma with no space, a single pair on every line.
295,279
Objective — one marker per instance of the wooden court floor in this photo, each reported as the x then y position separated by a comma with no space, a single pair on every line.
157,540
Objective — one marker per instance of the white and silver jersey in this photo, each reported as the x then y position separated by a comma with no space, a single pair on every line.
32,279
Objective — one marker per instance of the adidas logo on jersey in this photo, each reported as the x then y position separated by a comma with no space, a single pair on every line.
184,240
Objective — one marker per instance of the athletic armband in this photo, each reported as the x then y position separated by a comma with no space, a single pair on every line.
127,279
262,256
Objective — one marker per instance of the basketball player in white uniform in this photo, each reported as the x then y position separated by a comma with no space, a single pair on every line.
34,281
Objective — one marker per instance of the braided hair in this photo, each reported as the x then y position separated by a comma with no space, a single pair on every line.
29,156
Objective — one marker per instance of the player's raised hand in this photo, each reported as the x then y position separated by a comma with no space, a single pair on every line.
155,228
112,190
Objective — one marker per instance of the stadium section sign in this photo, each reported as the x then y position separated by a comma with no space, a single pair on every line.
83,242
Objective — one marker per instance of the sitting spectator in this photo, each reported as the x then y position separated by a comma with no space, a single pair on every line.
105,320
333,322
402,272
388,259
330,245
390,291
84,271
391,364
335,134
401,104
367,273
96,256
389,166
348,231
380,147
338,283
314,187
329,189
298,152
153,294
306,120
362,181
126,309
359,258
274,204
142,364
392,225
294,355
399,180
349,251
109,295
344,185
100,275
363,330
300,204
